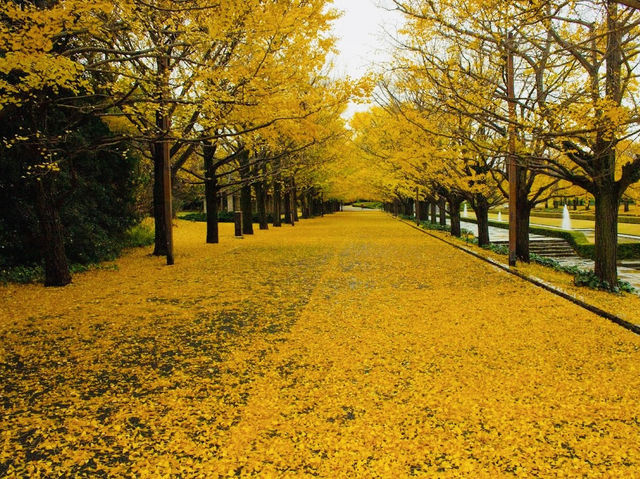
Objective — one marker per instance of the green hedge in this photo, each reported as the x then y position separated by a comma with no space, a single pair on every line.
576,239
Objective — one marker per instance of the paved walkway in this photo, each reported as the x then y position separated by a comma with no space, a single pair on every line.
630,273
347,346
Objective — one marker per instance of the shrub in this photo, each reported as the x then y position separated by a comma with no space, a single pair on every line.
138,236
589,279
428,225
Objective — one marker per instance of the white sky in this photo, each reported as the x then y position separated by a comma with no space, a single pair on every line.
361,38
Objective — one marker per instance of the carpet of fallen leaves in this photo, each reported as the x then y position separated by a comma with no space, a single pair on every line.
347,346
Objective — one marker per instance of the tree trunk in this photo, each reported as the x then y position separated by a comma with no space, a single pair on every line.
261,198
160,242
522,229
277,202
304,203
443,211
481,208
454,213
56,267
424,211
288,215
245,207
211,194
606,246
294,200
162,171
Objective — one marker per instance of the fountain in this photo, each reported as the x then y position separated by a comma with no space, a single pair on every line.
499,215
566,218
465,213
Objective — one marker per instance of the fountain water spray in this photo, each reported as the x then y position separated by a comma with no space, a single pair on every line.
465,213
499,215
566,218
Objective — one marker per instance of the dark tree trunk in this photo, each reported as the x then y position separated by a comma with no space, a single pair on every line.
245,207
211,194
424,211
294,200
162,172
56,267
522,229
481,208
396,207
606,246
304,200
160,242
277,202
261,198
288,215
443,211
454,212
626,206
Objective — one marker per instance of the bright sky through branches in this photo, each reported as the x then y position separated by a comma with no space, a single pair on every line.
362,41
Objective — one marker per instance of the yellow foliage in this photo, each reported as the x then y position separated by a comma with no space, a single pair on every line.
349,346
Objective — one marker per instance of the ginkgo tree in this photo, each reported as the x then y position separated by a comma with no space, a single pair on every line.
575,81
183,74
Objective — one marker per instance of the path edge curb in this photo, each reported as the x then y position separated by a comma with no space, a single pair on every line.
634,328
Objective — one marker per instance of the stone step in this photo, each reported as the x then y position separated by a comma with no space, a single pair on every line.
551,248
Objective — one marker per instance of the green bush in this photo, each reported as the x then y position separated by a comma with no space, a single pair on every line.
428,225
589,279
138,236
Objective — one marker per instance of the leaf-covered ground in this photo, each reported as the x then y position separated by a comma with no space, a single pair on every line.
348,346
